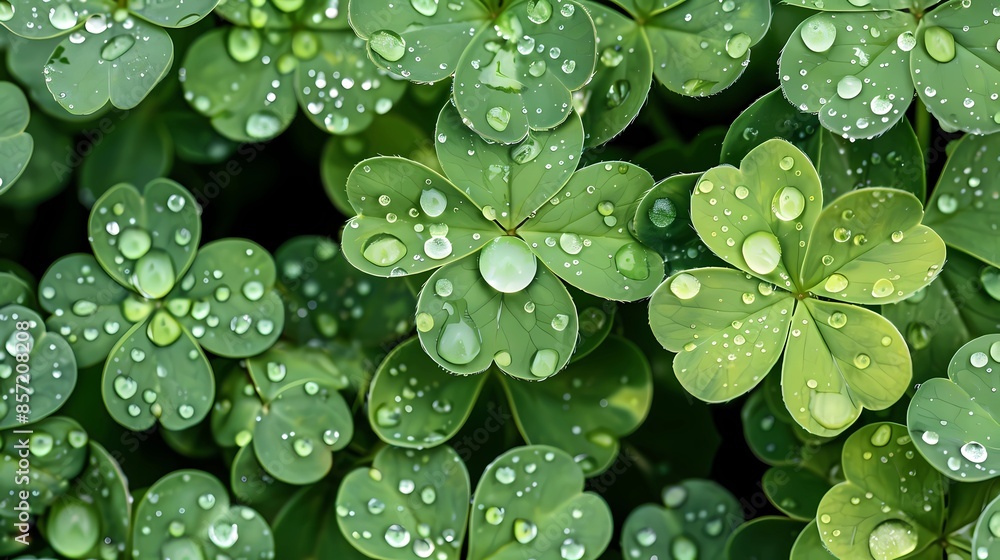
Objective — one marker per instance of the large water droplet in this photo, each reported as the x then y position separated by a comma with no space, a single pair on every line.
61,17
433,202
384,250
263,124
572,550
663,212
762,252
881,436
849,87
524,531
892,539
498,118
243,43
396,536
154,274
683,548
539,11
117,46
459,341
833,411
918,335
940,44
882,288
223,535
437,248
618,93
507,264
631,262
974,452
388,45
818,34
6,10
685,286
544,363
526,151
425,7
788,204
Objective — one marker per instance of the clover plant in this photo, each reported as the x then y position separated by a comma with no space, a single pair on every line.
148,292
857,64
107,52
800,267
15,143
487,223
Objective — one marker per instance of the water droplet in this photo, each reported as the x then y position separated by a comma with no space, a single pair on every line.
425,7
433,202
930,438
906,41
833,411
384,250
663,213
631,262
125,387
762,252
223,535
645,537
41,444
437,248
674,496
974,452
918,335
849,87
459,341
572,550
881,436
508,265
818,34
539,11
6,10
940,44
892,539
396,536
880,105
788,204
685,286
388,45
494,515
947,203
683,548
505,475
62,17
498,118
185,411
544,363
882,288
978,359
243,43
524,531
525,152
837,319
376,506
738,45
862,361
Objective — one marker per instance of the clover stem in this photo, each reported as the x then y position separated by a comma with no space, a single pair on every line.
923,126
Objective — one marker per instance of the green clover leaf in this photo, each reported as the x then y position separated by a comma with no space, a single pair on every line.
893,159
514,68
93,518
489,223
47,377
58,451
150,303
858,69
511,516
14,290
187,513
698,518
956,442
327,298
414,404
764,537
15,144
729,327
407,500
986,538
963,204
106,52
277,53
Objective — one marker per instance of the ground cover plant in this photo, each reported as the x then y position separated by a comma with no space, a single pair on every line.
489,279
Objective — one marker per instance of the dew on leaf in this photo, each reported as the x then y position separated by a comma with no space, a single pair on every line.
762,252
892,539
685,286
663,213
524,531
498,118
849,87
544,362
388,45
507,264
940,44
384,250
788,204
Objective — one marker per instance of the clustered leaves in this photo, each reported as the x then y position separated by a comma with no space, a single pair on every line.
473,370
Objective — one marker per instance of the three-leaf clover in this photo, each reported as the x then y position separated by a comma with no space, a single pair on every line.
800,265
151,302
695,47
515,66
109,51
858,63
15,144
584,411
247,77
487,223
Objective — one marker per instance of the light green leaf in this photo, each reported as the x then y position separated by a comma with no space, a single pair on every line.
952,421
56,19
877,511
122,66
25,60
612,98
740,327
386,239
763,538
603,407
506,525
48,376
700,51
407,500
868,247
15,144
857,81
236,410
963,206
89,309
585,239
986,539
365,91
465,325
956,67
412,403
809,545
146,241
841,358
698,518
145,383
758,217
200,521
318,416
243,114
228,298
508,183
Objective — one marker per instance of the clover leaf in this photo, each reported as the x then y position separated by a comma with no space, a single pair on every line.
857,67
893,159
696,49
48,375
58,451
953,421
893,503
279,52
307,526
415,500
150,302
15,144
414,404
530,500
515,66
187,514
964,202
764,537
986,538
698,518
767,218
108,52
489,223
